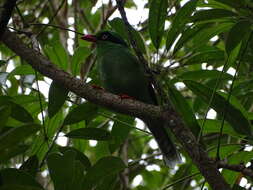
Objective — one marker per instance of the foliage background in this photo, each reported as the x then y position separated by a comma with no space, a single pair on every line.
195,49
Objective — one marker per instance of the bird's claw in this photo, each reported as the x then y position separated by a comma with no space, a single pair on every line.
125,96
97,87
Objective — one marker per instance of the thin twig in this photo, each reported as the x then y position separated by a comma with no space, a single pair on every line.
237,168
230,93
55,26
52,18
122,122
143,159
86,20
181,180
51,146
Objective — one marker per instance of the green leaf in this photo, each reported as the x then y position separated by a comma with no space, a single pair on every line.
22,70
11,176
85,111
9,153
212,15
185,169
57,96
120,131
205,57
103,168
31,165
79,156
80,54
207,33
240,157
17,111
118,25
90,134
57,54
187,35
181,18
213,126
39,145
236,35
156,20
5,112
21,114
204,74
234,116
234,3
62,170
16,135
183,108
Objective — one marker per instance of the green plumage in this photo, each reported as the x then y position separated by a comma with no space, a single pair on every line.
121,73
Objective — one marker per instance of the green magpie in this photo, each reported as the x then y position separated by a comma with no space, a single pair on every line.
121,73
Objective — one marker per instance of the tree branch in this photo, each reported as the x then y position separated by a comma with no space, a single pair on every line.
207,166
200,158
5,15
237,168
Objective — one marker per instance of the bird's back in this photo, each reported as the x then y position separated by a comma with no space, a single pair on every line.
121,72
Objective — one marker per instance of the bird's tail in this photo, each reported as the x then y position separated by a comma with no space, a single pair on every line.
170,155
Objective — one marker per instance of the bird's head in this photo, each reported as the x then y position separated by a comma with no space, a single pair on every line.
105,36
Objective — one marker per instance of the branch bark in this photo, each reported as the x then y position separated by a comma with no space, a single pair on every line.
207,166
5,15
237,168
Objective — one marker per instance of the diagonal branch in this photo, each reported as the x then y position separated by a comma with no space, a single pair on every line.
207,166
5,15
237,168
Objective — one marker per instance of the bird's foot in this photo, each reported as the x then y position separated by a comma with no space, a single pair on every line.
125,96
97,87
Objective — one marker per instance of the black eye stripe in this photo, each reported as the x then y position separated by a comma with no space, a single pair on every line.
107,36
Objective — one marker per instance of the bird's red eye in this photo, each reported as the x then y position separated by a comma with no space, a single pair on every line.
104,37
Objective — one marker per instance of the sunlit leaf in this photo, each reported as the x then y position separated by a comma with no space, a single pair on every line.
181,18
156,20
80,54
212,15
205,57
85,111
79,156
57,54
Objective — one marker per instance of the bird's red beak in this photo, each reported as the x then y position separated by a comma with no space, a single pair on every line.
89,38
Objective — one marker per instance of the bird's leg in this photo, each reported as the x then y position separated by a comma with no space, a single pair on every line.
97,87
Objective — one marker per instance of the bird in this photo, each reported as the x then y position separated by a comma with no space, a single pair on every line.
121,73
